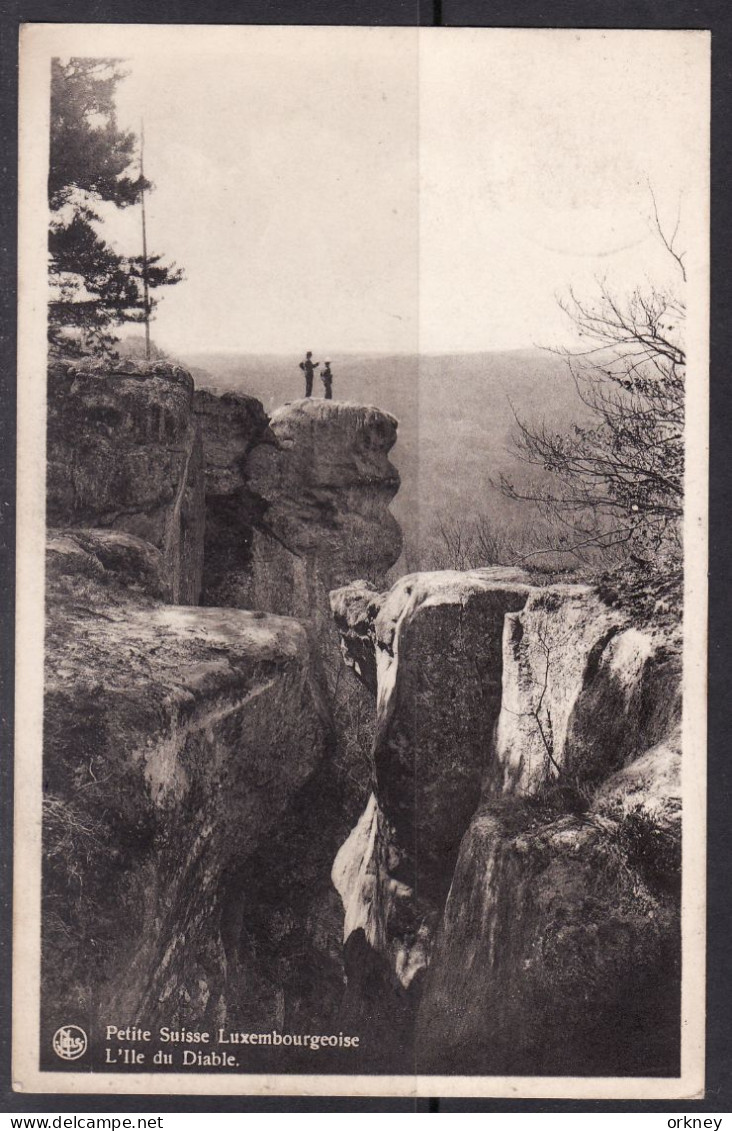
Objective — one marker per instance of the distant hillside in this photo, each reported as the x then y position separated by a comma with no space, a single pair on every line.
455,420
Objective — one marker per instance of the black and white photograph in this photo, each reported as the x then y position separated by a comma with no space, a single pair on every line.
362,561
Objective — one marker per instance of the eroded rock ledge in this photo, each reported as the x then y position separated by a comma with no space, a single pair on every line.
176,738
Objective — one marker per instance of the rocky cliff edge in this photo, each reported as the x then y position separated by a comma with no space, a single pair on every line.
188,749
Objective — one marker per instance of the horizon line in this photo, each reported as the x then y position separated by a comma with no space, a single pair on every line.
235,350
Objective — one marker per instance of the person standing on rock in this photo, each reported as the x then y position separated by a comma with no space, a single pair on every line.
308,367
327,378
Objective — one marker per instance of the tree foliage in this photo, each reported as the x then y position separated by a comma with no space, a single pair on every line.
614,484
94,288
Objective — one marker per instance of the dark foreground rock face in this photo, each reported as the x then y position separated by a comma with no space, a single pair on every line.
559,950
526,759
124,453
176,738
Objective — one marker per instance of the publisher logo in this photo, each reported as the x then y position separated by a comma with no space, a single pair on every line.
69,1042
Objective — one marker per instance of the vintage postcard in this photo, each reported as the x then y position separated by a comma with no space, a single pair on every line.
362,557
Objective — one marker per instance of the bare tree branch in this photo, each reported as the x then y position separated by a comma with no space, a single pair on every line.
615,478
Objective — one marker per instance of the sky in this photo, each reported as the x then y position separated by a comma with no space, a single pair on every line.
403,189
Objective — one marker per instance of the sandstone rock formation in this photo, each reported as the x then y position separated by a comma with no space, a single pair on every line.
437,642
176,738
124,453
197,769
324,488
584,689
526,759
559,949
327,484
508,900
107,555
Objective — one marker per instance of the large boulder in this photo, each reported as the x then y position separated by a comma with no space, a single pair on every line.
584,690
124,453
325,487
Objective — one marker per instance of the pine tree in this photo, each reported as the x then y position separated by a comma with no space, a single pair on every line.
93,288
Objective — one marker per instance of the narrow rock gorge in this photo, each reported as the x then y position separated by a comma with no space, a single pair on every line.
444,815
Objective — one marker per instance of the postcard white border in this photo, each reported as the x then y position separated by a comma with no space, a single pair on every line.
38,43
